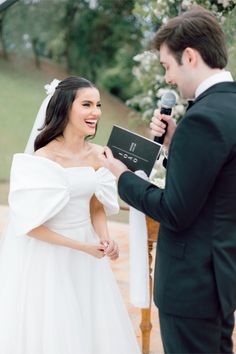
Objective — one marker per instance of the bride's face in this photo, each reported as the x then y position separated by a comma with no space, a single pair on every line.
85,112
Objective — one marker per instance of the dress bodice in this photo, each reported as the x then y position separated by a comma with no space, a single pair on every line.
44,192
82,184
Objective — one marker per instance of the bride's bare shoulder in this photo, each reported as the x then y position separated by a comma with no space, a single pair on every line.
96,148
45,151
95,151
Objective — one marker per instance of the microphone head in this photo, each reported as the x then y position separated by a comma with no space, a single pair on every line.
168,99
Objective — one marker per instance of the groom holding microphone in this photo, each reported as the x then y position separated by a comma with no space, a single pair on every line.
195,272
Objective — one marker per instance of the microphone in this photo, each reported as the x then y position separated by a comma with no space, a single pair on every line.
168,101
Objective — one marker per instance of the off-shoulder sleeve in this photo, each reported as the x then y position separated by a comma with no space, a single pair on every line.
38,191
106,191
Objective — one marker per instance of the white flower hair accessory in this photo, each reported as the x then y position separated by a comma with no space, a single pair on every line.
50,88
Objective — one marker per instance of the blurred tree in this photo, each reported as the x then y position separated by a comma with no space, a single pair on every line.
33,27
3,45
96,39
4,6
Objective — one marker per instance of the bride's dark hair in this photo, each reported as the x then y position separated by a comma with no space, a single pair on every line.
57,113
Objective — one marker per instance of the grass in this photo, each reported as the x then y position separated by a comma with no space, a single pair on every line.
21,93
20,96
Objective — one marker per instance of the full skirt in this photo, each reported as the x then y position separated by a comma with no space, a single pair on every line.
55,300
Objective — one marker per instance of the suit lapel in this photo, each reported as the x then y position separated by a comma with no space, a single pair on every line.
220,87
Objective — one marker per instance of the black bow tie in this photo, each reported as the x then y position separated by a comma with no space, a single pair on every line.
190,103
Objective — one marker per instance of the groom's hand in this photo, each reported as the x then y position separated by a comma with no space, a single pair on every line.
114,165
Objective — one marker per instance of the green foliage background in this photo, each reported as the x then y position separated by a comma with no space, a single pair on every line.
97,42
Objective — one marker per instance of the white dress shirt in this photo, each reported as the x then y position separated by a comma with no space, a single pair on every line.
222,76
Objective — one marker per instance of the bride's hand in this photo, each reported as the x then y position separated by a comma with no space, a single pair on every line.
111,250
94,250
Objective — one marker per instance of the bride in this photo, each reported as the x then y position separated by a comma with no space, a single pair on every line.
58,294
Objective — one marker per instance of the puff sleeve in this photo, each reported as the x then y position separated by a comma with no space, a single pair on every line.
38,191
106,191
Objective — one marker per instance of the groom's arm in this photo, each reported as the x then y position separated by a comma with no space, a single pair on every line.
133,190
197,154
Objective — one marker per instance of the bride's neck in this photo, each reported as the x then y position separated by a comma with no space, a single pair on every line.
73,144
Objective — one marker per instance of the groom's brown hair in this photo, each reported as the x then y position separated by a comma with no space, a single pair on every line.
198,29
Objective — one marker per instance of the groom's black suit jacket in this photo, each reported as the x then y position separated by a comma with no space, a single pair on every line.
195,271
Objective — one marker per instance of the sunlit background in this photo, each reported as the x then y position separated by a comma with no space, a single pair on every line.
106,41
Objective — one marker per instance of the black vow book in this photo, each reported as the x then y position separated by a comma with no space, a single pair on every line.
136,151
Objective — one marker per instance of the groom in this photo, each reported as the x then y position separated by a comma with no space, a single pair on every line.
195,272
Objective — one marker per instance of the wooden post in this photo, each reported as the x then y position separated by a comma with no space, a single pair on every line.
146,324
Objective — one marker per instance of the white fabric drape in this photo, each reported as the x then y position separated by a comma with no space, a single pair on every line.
139,266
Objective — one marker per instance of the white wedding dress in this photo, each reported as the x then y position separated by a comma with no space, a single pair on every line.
53,299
